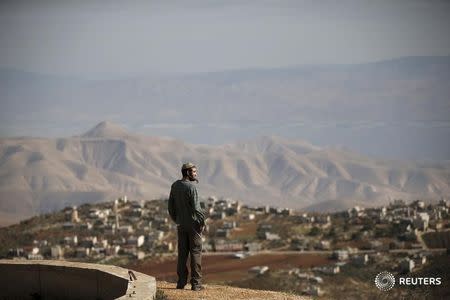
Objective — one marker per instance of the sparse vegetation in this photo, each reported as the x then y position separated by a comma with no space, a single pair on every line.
315,231
160,295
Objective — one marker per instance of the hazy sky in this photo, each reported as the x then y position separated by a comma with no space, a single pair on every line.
108,39
129,37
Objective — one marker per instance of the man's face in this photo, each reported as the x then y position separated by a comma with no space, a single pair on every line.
192,174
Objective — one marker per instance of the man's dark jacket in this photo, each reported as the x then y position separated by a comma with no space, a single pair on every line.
184,207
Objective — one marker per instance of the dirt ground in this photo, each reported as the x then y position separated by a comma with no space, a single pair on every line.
221,292
222,268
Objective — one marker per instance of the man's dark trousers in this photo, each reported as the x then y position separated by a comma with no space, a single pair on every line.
189,242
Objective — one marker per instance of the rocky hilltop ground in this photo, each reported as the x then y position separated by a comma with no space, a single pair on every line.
222,292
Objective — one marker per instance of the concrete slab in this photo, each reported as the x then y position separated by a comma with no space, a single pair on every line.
21,281
72,280
68,282
111,286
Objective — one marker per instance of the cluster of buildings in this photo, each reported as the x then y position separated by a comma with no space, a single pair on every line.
396,226
120,227
138,228
390,239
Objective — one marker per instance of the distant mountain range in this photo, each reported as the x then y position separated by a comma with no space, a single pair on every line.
397,108
41,174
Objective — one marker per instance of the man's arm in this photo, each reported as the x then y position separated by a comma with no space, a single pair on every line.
198,211
171,207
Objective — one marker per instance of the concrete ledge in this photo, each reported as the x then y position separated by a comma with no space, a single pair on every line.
47,279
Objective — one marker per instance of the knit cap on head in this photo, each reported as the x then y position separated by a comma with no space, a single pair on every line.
187,166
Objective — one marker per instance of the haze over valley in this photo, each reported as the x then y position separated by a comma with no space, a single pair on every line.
396,109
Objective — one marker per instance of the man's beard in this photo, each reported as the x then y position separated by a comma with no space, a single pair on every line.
191,178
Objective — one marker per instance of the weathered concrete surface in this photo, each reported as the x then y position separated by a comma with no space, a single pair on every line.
21,279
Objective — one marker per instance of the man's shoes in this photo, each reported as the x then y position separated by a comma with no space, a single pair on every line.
197,288
180,287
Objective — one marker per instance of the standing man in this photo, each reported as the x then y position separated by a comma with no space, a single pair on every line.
184,209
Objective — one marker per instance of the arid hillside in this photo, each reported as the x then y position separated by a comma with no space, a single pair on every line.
39,175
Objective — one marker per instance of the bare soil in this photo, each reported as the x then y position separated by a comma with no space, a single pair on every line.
222,268
222,292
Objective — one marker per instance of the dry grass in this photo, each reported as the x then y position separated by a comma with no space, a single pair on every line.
245,230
